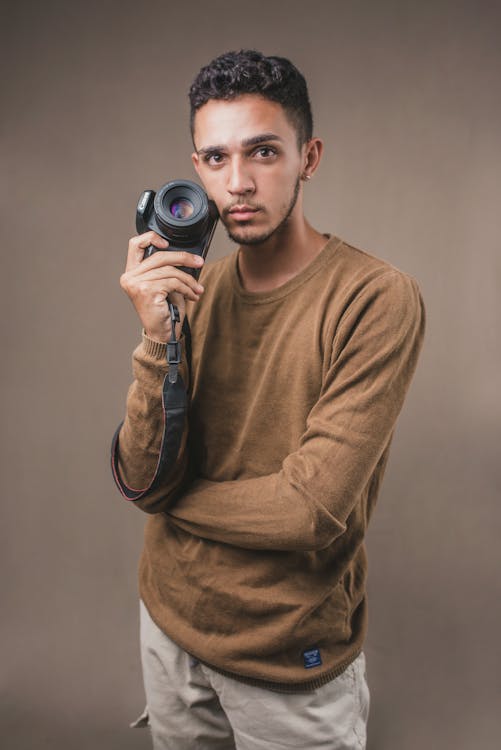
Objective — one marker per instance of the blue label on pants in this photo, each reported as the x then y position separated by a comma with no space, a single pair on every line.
312,658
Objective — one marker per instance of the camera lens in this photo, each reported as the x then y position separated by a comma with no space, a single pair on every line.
181,211
181,208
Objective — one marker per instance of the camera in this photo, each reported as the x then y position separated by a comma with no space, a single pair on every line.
181,213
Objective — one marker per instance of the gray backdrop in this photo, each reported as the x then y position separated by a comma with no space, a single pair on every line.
406,96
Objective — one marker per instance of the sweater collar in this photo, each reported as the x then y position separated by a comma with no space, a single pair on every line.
323,258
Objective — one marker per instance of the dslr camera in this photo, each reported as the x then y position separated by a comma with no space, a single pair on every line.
181,213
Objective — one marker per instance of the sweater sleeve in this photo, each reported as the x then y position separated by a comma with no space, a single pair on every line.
141,433
305,505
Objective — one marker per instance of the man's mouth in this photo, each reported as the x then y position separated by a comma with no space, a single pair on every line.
243,212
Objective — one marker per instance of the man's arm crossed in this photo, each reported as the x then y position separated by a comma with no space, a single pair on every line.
307,503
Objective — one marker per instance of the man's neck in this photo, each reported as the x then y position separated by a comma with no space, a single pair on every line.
272,263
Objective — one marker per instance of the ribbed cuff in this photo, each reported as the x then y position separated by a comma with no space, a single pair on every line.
155,349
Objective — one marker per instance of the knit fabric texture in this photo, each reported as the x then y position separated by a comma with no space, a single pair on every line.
254,558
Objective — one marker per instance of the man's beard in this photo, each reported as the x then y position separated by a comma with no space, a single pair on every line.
258,239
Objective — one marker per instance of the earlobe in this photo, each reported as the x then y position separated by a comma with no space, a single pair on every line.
313,156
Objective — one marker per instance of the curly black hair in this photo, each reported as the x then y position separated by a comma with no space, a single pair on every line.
250,72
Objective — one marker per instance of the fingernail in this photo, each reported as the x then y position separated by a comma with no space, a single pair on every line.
200,288
199,260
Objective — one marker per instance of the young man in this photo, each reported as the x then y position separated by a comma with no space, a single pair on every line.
252,579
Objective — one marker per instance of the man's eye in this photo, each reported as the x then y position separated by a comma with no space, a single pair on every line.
264,152
213,159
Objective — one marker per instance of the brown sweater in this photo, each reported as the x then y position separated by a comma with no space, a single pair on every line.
254,558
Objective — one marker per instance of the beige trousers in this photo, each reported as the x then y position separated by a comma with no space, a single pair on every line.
192,707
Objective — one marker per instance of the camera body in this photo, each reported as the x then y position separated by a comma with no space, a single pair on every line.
181,213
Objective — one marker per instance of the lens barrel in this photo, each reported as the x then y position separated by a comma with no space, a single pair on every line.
182,211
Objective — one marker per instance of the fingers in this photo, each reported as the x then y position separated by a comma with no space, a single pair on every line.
164,287
171,258
162,280
167,272
165,275
138,244
149,282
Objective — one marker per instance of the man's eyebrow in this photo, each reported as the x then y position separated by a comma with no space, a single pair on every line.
262,138
254,141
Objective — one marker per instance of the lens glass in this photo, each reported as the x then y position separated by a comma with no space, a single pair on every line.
181,208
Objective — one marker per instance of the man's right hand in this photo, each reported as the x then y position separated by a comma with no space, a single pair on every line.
149,282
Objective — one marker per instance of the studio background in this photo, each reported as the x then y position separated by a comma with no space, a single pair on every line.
406,97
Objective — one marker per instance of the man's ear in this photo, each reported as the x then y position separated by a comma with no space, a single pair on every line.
196,162
312,155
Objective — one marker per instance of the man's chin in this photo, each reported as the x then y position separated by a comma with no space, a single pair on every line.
244,236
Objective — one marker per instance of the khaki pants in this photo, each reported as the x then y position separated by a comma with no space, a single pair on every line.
192,707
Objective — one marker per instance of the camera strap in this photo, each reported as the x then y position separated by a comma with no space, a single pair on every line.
174,406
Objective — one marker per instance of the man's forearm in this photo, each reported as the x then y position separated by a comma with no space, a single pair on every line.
140,437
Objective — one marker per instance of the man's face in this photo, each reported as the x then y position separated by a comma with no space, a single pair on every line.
248,159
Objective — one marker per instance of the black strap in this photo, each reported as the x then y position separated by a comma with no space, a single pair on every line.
174,405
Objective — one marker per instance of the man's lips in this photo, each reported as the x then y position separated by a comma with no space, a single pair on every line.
243,212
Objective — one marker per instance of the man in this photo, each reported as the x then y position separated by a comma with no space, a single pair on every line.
252,579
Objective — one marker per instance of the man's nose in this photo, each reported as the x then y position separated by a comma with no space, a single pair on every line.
239,180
